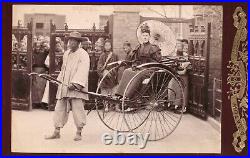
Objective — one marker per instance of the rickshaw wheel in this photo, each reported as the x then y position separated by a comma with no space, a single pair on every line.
107,108
156,91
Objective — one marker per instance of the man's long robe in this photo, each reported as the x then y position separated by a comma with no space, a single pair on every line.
75,69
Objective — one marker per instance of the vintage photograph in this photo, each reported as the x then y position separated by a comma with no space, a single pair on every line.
116,78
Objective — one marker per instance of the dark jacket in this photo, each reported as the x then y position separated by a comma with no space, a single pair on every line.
145,53
112,80
39,57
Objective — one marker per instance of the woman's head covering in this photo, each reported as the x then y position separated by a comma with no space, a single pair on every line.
145,28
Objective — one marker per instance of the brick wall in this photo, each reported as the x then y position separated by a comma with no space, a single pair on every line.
124,29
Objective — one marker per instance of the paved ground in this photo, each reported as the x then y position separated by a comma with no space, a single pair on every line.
29,128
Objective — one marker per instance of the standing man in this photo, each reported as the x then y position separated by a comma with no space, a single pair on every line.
73,75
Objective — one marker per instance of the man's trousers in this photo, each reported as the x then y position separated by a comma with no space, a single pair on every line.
62,109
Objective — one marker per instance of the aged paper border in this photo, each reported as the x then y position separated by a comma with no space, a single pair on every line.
238,80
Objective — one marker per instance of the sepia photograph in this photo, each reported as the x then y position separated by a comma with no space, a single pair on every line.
116,78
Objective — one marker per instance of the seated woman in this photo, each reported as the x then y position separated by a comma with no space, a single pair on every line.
143,53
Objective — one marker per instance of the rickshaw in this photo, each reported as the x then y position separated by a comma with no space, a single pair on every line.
150,109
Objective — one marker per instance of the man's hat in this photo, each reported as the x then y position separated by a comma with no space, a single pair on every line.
77,36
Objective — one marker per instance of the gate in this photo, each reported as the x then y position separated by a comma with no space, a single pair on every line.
199,51
21,61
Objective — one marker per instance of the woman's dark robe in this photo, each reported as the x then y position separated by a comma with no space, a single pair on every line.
38,84
143,53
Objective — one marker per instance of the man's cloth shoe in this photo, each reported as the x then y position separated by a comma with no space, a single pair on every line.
53,136
78,137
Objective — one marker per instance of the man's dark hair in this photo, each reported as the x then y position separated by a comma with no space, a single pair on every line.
185,41
127,43
179,40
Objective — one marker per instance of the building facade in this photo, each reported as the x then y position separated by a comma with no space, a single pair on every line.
41,22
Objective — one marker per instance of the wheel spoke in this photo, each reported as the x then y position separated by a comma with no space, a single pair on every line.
163,84
169,115
156,130
161,124
166,120
110,118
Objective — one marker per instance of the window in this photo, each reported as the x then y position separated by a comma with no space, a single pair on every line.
39,25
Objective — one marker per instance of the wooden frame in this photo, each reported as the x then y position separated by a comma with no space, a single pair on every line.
21,66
